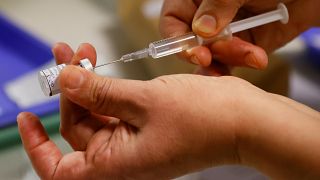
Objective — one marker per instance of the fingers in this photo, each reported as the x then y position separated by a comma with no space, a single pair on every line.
46,158
85,50
76,125
237,52
175,21
43,153
79,133
200,55
176,17
62,53
215,69
234,52
208,19
214,15
122,99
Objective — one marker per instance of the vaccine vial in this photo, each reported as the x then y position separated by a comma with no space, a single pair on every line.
48,78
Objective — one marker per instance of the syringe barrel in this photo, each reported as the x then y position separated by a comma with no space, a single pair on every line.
225,34
178,44
173,45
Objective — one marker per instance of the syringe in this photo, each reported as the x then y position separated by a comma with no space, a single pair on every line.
48,77
187,41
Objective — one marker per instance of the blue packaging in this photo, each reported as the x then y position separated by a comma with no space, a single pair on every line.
20,53
312,42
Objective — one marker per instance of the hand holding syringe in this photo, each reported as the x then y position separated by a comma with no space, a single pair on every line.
165,47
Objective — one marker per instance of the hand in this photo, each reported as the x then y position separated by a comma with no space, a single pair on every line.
208,17
160,129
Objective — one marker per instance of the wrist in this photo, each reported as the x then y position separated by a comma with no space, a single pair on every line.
231,123
256,110
280,138
258,129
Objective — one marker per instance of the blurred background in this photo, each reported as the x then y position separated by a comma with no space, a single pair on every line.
28,29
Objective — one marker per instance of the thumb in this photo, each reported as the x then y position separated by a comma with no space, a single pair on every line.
213,16
118,98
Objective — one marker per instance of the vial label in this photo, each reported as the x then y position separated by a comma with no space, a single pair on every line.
53,78
48,78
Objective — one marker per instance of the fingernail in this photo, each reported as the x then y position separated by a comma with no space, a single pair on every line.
80,47
20,116
53,49
75,79
251,60
24,118
195,60
206,24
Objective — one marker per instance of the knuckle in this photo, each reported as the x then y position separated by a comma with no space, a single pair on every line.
100,90
241,85
147,97
235,80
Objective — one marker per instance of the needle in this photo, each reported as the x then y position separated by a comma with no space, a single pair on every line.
129,57
112,62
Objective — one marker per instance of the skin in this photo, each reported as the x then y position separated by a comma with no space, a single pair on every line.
248,48
172,125
126,129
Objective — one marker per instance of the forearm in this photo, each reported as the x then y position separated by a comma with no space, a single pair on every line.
282,140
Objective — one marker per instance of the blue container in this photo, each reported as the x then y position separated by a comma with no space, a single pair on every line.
20,53
312,41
